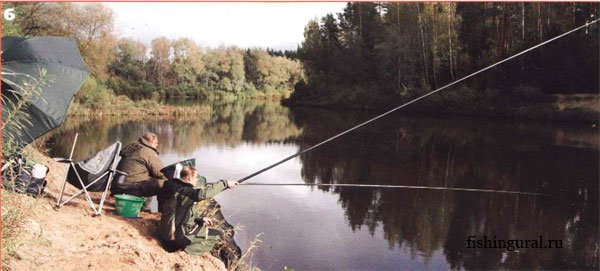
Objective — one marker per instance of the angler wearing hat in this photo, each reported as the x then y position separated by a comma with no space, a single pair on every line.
142,165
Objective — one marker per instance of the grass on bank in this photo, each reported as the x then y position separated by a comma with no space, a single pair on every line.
96,99
121,105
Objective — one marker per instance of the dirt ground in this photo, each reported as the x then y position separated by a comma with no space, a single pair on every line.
71,238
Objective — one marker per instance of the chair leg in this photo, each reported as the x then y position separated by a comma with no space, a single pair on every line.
70,164
62,187
110,177
86,194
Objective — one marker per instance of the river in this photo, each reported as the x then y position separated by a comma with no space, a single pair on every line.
384,228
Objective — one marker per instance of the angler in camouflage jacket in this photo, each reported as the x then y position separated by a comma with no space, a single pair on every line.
181,225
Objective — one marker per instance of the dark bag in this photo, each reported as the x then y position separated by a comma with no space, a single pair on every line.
18,176
30,185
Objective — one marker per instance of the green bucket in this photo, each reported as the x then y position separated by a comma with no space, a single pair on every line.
128,205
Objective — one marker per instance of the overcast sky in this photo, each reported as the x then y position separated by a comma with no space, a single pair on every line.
273,25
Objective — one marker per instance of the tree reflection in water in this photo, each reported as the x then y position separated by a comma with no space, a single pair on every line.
230,124
467,154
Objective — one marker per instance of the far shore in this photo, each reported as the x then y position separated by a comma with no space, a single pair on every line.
576,107
123,106
557,107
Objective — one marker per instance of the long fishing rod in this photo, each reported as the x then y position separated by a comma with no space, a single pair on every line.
415,100
400,186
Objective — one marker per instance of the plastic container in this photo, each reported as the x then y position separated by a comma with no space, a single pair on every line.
128,206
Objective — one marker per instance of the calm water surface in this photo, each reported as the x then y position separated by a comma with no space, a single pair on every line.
367,228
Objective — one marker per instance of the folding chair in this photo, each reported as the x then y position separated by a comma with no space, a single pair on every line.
94,174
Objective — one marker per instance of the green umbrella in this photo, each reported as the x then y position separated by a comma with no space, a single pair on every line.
22,61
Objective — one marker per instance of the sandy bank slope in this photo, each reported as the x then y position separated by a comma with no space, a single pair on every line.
71,239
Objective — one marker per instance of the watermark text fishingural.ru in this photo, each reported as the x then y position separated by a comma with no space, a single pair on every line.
511,244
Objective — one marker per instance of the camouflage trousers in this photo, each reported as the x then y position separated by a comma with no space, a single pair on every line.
203,241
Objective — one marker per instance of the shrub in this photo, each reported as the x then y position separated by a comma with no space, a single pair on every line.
528,94
93,94
155,96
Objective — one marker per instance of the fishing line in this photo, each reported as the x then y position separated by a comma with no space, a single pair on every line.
415,100
400,186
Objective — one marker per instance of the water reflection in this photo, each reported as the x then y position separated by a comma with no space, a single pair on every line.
231,124
471,154
394,226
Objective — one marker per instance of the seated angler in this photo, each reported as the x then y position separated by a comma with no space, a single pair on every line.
141,163
181,225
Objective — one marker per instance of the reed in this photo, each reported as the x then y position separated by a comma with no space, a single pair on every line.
17,209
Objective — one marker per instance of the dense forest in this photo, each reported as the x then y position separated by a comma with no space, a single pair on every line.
370,55
382,53
165,68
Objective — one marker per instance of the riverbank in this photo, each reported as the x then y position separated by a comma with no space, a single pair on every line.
120,105
38,237
527,105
